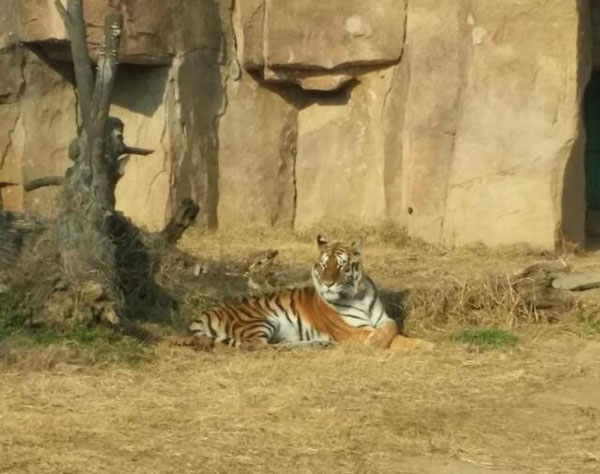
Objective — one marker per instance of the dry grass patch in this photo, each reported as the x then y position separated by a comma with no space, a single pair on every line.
345,411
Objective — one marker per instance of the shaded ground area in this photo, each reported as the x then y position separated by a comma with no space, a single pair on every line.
533,407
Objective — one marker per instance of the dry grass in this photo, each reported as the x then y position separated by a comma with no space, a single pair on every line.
344,410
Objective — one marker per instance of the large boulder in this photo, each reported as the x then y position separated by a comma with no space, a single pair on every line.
492,132
340,166
319,45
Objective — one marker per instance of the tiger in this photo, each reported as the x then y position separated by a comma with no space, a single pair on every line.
341,306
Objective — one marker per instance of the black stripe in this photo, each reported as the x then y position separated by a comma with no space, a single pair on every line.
279,305
338,305
236,311
271,326
253,317
372,283
292,307
299,319
248,309
372,305
255,304
251,333
283,310
232,313
268,304
352,316
375,294
213,333
379,318
228,323
244,333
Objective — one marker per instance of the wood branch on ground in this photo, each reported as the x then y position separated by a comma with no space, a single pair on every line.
183,218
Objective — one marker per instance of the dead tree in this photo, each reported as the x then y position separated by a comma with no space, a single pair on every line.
83,227
104,259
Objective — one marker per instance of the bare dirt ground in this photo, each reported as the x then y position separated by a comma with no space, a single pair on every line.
530,408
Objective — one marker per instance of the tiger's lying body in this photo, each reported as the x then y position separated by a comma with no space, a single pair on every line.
342,305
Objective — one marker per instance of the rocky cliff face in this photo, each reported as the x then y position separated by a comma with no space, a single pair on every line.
457,120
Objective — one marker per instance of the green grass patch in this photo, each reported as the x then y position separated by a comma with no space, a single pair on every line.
84,343
591,326
489,338
589,320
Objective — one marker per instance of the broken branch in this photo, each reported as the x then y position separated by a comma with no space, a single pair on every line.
183,218
133,150
43,182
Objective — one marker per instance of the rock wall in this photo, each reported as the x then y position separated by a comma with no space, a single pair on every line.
494,112
457,120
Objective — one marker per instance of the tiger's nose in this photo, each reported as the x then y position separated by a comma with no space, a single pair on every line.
329,284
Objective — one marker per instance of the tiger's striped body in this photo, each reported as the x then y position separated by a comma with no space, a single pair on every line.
342,305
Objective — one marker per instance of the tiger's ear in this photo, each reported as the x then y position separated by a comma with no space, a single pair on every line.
321,242
357,245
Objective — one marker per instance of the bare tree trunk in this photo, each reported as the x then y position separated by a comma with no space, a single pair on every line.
102,253
83,228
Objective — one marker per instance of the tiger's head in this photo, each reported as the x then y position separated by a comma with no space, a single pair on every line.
337,273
